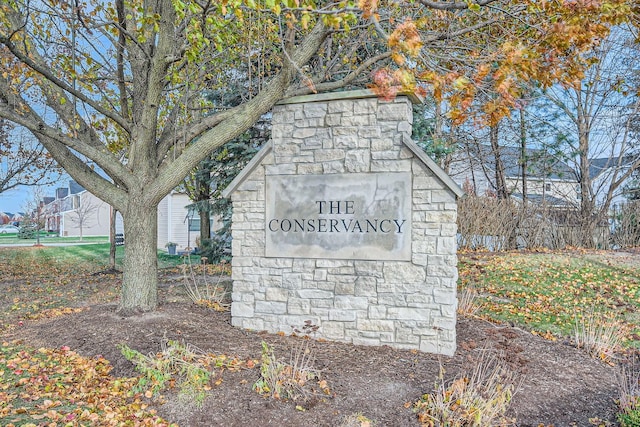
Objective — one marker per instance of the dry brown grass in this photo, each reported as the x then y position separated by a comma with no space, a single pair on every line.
600,337
479,398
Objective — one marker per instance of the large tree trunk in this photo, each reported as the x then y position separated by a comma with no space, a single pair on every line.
140,279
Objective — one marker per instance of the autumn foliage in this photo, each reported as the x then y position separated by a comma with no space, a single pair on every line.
59,387
548,292
515,46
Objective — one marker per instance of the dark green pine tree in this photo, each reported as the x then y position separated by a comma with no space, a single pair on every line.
206,183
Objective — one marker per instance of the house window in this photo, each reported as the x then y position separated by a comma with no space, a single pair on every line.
547,187
194,224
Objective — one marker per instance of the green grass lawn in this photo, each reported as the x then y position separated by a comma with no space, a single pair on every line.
12,238
546,293
91,256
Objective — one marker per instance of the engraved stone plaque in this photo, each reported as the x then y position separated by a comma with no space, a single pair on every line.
365,216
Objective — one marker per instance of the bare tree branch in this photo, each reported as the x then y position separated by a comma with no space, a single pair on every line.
453,5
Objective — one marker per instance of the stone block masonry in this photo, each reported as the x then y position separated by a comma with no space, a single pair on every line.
343,221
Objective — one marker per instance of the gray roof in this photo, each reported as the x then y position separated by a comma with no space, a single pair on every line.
599,165
61,193
75,188
540,163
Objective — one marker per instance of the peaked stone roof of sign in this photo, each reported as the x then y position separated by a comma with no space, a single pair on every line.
356,94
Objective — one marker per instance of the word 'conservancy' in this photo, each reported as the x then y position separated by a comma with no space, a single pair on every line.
336,225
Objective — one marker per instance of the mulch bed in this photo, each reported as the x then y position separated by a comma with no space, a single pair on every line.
561,385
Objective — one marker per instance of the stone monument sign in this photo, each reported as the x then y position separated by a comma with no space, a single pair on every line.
343,221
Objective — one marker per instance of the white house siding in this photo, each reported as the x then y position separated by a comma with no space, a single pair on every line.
601,184
172,222
469,173
96,222
561,189
163,222
172,226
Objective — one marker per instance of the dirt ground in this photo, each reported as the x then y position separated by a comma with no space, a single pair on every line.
560,385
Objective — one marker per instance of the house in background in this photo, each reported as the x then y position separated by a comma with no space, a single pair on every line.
604,170
74,208
548,180
83,214
75,212
177,223
5,218
16,218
